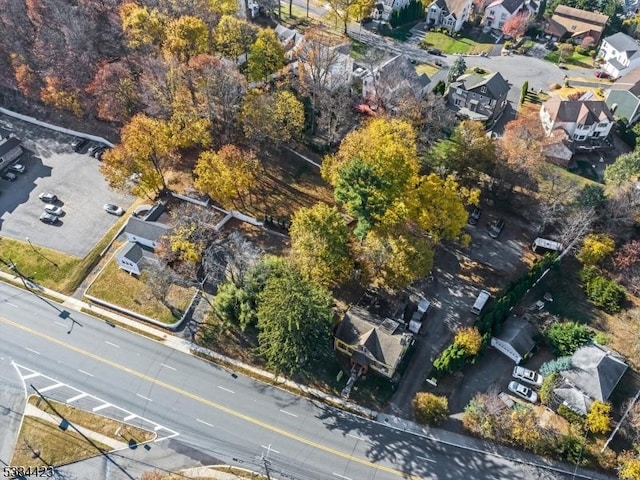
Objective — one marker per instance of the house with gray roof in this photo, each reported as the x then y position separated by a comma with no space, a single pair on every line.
372,343
479,97
449,14
516,339
595,372
391,80
498,12
623,97
620,54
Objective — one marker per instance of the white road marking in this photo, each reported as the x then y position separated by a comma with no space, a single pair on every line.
31,375
31,350
144,398
289,413
203,422
86,373
112,344
59,323
101,407
12,304
51,387
356,437
340,476
225,389
167,366
269,449
77,397
425,458
129,417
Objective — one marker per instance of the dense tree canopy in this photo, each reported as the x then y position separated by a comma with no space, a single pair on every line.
275,117
266,55
625,168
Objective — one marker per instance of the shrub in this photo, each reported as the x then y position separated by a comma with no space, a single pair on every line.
430,409
582,50
440,88
566,337
629,466
570,416
555,366
603,292
599,417
555,86
523,92
450,360
602,338
571,447
507,45
546,389
469,339
595,248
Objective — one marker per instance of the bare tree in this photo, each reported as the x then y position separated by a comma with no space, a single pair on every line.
623,210
575,225
229,257
335,110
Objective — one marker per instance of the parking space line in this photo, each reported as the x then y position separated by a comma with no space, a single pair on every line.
51,387
340,476
31,375
356,437
167,366
129,417
86,373
100,407
77,397
425,458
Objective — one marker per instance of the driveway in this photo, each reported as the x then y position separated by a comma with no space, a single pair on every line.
52,166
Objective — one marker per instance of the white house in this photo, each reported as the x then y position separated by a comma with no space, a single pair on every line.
620,54
499,11
516,339
449,14
384,9
582,120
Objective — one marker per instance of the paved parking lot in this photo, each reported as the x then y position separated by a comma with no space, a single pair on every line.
52,166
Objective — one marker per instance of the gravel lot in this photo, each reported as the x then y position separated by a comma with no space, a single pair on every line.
52,166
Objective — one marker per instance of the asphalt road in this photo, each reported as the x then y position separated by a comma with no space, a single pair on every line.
219,418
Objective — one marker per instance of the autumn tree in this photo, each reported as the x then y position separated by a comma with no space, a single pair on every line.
266,55
430,409
598,418
625,168
143,27
525,427
520,147
233,37
57,95
430,118
628,255
565,50
139,162
277,117
516,26
186,37
115,90
470,339
595,248
294,320
320,244
187,127
344,11
227,175
629,466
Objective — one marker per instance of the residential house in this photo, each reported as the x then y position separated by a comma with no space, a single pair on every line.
449,14
372,343
324,57
498,12
623,97
620,54
595,372
288,37
479,97
568,23
516,339
391,80
142,236
586,123
383,10
10,151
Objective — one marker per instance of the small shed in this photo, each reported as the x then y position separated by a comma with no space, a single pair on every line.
516,339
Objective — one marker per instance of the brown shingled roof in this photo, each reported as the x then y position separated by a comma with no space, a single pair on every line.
585,112
576,22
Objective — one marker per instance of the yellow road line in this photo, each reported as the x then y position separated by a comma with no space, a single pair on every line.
209,403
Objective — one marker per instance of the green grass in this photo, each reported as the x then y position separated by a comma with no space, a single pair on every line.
575,59
429,69
118,287
358,49
450,45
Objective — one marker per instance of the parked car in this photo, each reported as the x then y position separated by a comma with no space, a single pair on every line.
113,209
53,209
602,74
48,218
527,376
95,148
475,216
434,51
495,228
9,177
78,144
17,168
48,197
523,392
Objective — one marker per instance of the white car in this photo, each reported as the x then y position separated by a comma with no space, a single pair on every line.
523,392
527,376
113,209
53,209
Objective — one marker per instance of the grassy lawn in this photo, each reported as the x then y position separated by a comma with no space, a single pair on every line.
564,92
576,60
97,423
118,287
358,49
451,45
55,446
53,269
427,68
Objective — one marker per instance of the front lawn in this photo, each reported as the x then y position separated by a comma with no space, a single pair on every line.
450,45
116,286
427,68
575,59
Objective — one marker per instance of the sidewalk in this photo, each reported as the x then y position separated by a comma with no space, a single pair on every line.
434,434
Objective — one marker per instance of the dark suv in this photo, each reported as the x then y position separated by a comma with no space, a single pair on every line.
495,228
475,216
78,144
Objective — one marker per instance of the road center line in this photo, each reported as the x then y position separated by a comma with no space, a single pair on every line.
204,423
340,476
166,366
225,389
143,397
32,350
112,344
86,373
425,458
289,413
209,403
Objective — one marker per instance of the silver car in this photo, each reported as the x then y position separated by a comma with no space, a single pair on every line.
523,392
527,376
53,209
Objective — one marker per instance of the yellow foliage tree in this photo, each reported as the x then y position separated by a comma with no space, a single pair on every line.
182,243
186,37
598,418
595,248
470,339
629,466
525,430
143,27
54,94
266,56
275,116
187,126
227,175
233,37
430,409
320,244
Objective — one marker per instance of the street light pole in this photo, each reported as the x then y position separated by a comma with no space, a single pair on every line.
40,253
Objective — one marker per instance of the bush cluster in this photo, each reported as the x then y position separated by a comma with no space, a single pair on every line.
604,293
430,409
566,337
